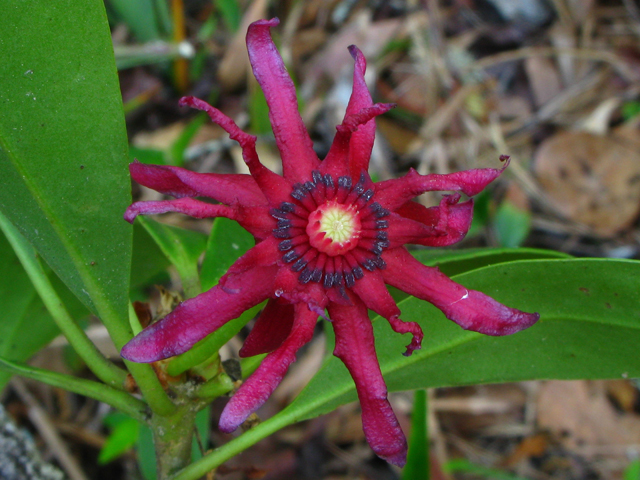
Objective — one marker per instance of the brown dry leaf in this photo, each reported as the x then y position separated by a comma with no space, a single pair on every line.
594,180
543,78
624,393
161,138
533,446
399,137
235,64
370,37
581,414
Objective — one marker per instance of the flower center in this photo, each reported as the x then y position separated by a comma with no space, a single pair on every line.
334,228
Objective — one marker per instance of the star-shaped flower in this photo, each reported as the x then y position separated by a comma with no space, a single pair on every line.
327,239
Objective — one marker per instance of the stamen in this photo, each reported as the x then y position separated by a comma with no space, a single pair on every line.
290,256
285,245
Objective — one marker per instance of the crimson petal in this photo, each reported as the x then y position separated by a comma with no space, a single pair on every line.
355,347
394,193
452,220
337,161
273,186
292,139
256,220
361,142
180,182
271,329
196,318
470,309
373,292
261,384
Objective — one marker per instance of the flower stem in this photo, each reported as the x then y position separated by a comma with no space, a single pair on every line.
237,445
99,365
172,438
98,391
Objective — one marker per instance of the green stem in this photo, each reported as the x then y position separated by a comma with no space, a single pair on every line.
239,444
98,391
216,387
99,365
172,438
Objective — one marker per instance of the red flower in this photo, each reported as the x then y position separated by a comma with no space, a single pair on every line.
327,237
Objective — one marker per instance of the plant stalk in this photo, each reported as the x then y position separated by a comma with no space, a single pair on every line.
172,437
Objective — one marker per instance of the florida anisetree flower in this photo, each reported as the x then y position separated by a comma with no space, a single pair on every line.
328,239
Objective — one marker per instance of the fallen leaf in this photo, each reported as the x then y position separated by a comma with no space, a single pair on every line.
593,180
581,415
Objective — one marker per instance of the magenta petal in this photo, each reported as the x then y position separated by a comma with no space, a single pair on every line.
451,219
273,186
271,329
470,309
355,347
392,194
261,384
256,220
373,292
403,230
361,142
296,148
196,318
180,182
337,161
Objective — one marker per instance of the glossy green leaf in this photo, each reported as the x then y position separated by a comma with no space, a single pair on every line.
123,436
461,465
228,242
63,149
454,262
183,249
140,16
511,224
589,328
417,467
23,311
148,263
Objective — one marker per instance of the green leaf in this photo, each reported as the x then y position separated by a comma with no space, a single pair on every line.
454,262
148,263
63,149
589,328
140,16
228,242
146,453
511,225
231,13
465,466
124,435
417,467
183,249
632,472
98,391
180,145
23,311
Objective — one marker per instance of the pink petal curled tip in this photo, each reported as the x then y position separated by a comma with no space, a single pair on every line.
470,309
273,186
197,317
355,347
292,139
271,329
361,142
180,182
394,193
261,384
